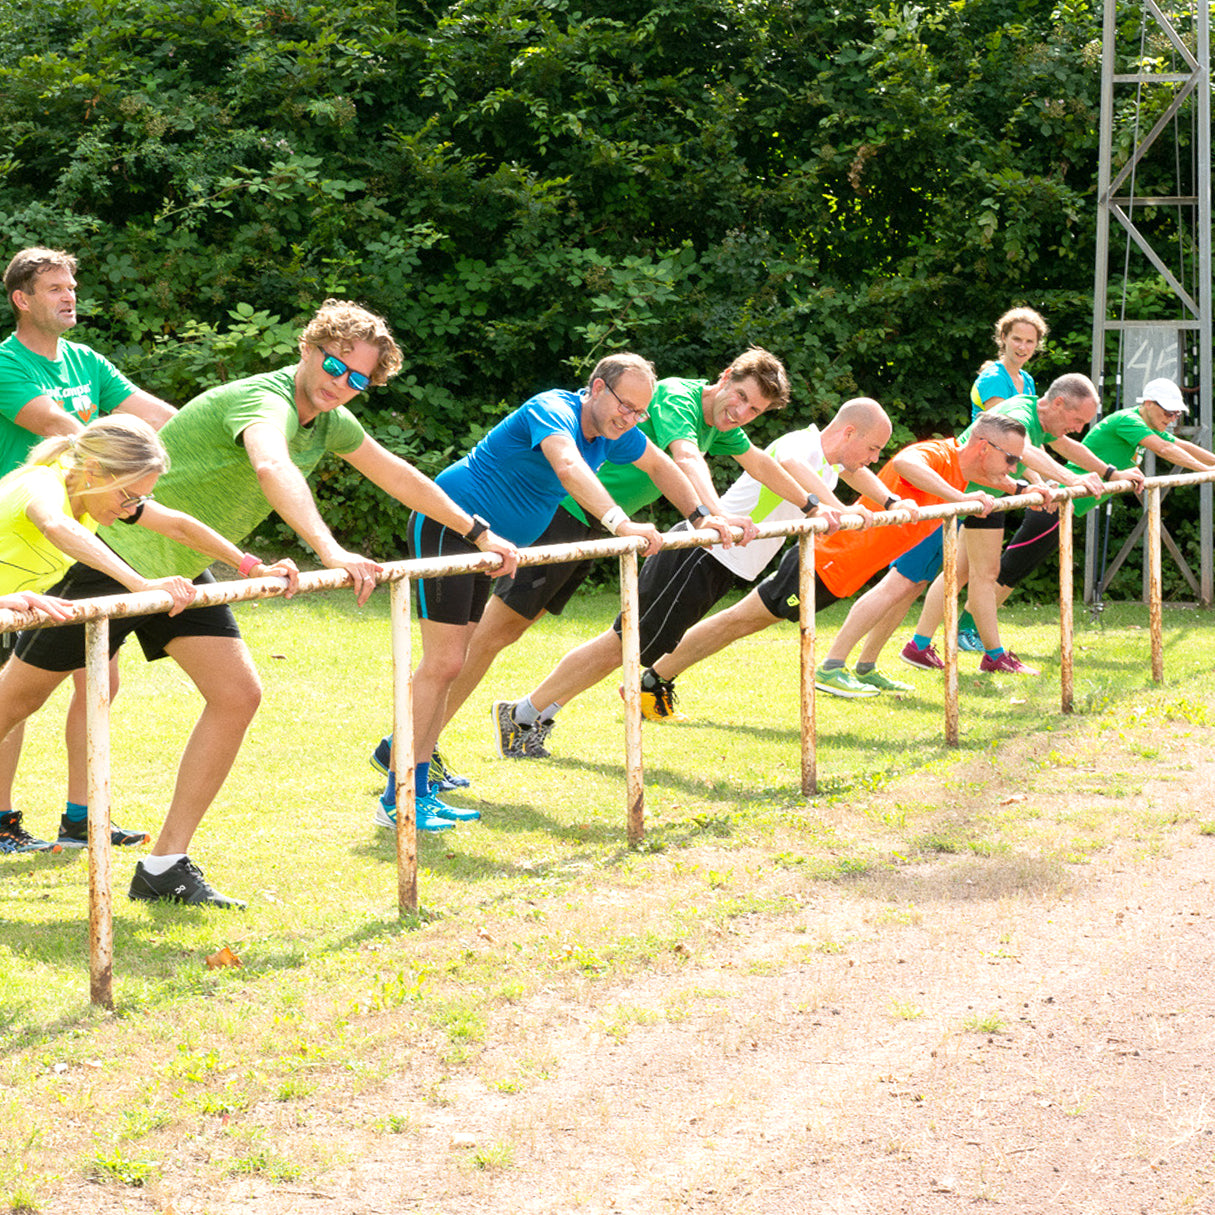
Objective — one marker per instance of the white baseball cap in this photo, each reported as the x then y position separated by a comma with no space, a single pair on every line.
1165,393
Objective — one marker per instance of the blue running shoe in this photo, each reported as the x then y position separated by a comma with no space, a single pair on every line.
381,757
386,815
432,805
970,641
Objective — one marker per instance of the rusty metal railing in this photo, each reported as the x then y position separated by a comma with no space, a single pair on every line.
95,614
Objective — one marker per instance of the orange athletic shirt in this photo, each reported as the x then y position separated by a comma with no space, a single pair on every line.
847,560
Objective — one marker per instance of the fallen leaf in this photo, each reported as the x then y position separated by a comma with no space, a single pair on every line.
222,957
1012,801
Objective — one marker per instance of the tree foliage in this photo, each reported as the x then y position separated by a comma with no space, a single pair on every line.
520,187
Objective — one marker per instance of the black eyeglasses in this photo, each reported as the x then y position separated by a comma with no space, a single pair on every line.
627,410
1009,458
335,367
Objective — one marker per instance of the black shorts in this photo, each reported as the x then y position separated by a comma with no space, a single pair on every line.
458,598
62,649
779,591
1036,539
990,523
548,588
675,589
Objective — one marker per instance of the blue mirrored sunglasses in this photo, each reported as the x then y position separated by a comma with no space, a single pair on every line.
335,367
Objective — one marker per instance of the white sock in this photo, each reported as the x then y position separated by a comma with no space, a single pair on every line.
525,713
546,718
156,865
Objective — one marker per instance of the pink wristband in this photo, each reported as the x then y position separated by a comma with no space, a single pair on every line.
247,563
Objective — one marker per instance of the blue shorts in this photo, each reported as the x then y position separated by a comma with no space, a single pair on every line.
923,562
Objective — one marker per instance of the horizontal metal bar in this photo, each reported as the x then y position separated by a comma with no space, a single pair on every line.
143,603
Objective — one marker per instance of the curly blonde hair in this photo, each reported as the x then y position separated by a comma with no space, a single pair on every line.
340,323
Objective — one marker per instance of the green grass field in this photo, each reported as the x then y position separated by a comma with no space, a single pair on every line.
322,947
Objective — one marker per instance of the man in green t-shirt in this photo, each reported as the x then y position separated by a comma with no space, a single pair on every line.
50,386
1064,409
238,452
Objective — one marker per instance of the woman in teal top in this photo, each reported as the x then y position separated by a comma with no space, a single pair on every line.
1018,335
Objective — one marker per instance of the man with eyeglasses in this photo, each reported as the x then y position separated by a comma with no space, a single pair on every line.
1064,409
238,452
692,418
515,477
1120,438
51,386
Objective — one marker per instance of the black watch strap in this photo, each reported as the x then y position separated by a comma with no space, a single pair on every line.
811,503
478,529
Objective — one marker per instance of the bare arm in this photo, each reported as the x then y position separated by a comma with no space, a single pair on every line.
586,489
76,541
151,409
1077,453
679,491
402,481
44,417
1181,452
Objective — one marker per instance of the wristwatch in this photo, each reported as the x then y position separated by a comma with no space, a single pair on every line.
478,529
701,512
890,502
811,504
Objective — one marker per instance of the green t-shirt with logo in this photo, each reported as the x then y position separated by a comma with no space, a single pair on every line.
83,383
211,477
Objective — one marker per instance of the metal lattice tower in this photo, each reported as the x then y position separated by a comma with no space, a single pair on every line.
1172,231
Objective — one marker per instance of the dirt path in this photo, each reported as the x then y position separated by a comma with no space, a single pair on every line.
1049,1052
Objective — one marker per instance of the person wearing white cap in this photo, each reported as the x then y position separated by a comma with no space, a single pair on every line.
1119,439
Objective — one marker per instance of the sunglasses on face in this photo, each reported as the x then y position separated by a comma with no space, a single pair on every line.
334,366
1011,460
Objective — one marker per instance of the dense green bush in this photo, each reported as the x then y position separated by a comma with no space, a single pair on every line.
520,187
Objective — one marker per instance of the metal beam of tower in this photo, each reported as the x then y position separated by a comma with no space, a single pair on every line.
1179,253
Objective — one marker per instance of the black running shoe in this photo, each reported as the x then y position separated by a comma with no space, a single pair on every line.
76,835
15,838
182,883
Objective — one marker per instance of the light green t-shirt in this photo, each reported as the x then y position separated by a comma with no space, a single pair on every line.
28,560
675,413
210,476
83,383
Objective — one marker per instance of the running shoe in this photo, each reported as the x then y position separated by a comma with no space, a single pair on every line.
534,739
883,683
970,641
15,838
434,807
424,820
181,883
926,659
443,778
381,757
1007,664
508,733
76,835
658,702
840,681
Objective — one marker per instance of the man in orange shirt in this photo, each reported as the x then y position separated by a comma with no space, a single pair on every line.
929,473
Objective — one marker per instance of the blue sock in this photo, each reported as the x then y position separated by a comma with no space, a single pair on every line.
389,797
74,812
421,779
920,641
994,655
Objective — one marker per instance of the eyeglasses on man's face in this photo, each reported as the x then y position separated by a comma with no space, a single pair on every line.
1011,460
639,414
334,366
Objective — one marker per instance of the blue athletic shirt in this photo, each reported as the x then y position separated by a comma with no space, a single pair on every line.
507,479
